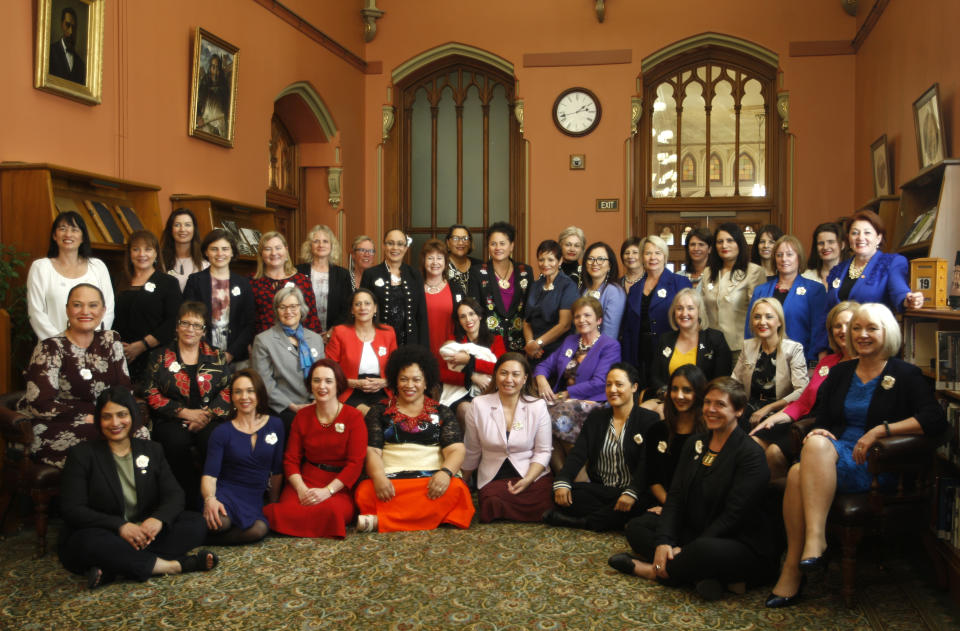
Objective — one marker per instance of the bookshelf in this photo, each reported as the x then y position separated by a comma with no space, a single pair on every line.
921,328
31,196
937,189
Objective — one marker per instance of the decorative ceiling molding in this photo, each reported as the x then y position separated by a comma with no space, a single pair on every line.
446,50
306,92
709,39
872,18
311,31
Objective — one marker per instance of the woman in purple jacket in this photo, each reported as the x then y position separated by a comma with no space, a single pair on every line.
572,378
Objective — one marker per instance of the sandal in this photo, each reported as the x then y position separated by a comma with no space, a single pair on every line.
202,561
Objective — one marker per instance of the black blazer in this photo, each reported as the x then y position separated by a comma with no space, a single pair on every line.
377,280
590,441
909,394
713,356
90,492
729,504
60,68
339,293
242,310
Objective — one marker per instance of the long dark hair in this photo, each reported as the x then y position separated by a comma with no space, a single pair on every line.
633,376
814,261
352,320
484,336
612,276
528,392
704,235
698,381
71,218
121,396
263,399
773,231
168,246
715,263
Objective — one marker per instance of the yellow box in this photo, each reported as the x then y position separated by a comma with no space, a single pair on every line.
929,277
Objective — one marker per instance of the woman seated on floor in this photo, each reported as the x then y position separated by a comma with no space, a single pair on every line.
282,355
861,401
577,368
508,441
414,451
771,367
775,433
324,458
122,508
244,459
712,532
66,373
682,418
611,446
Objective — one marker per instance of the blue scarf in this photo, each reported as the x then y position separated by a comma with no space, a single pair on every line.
306,359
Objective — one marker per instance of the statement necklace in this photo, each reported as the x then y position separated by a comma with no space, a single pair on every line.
434,289
583,348
503,282
856,272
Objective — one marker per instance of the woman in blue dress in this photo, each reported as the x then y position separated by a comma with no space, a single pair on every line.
549,301
861,401
600,274
244,459
871,275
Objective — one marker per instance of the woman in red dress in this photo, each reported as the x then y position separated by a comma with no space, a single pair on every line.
324,458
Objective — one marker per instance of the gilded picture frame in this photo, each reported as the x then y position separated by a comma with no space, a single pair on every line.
928,123
880,160
213,89
69,49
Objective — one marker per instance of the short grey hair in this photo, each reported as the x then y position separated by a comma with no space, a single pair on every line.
283,294
876,313
697,299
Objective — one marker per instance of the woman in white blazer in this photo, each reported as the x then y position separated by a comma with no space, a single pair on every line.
508,440
282,355
772,368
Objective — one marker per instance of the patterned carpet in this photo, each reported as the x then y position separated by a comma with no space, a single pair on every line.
497,577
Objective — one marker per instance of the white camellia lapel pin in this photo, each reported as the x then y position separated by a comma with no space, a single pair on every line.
661,293
86,374
235,291
175,367
698,447
148,286
801,291
271,438
289,284
379,282
141,462
662,446
887,382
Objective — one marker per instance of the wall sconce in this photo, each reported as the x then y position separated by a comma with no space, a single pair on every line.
334,180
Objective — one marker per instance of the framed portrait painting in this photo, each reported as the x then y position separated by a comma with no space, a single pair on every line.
69,53
213,89
928,121
880,158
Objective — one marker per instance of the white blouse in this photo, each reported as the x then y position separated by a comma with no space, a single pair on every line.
47,294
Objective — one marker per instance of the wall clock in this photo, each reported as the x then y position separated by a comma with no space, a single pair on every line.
576,112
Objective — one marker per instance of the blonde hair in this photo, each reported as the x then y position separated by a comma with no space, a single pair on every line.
306,253
694,295
288,267
659,243
877,313
777,308
573,231
840,307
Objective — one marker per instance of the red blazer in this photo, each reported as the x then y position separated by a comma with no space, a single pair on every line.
345,348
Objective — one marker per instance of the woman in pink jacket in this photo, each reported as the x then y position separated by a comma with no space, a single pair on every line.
508,440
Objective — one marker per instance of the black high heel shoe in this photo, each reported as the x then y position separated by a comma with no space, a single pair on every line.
814,565
774,601
622,562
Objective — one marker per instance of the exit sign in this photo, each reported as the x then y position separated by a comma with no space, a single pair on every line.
608,205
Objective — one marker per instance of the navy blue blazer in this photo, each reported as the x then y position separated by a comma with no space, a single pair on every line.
885,279
660,300
805,312
592,373
242,310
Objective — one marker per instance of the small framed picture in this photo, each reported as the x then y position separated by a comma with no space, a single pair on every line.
213,89
578,161
880,157
928,121
69,54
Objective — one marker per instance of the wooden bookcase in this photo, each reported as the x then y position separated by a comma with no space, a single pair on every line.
212,211
31,196
937,186
919,326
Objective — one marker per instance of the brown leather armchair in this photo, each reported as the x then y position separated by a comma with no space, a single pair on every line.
909,458
21,473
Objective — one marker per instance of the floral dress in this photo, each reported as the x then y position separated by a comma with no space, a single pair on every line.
63,382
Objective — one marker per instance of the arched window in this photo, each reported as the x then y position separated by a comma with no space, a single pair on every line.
746,170
457,149
716,169
688,169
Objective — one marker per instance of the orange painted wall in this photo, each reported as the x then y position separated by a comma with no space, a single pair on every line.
913,45
139,132
821,90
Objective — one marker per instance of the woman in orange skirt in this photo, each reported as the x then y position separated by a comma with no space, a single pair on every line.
324,458
415,449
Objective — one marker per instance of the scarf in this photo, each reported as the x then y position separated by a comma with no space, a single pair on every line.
306,359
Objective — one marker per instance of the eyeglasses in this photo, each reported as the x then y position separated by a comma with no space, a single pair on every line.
364,251
460,239
289,308
597,260
196,326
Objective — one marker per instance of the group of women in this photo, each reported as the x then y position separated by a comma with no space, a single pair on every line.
314,397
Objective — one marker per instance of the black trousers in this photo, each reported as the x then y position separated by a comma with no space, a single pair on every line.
185,452
106,549
595,503
726,560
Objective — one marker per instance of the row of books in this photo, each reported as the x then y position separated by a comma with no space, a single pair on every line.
948,511
950,450
248,239
106,223
922,228
948,360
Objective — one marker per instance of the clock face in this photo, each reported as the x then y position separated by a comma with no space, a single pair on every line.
576,112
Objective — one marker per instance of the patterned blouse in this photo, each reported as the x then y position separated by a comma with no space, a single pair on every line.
170,382
264,289
436,425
